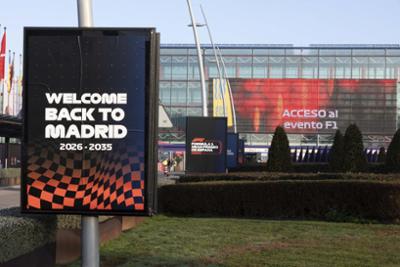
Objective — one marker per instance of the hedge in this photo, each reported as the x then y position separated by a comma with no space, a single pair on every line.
274,176
309,167
21,234
7,173
369,200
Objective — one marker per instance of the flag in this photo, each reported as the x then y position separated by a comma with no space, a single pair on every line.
19,79
10,72
2,56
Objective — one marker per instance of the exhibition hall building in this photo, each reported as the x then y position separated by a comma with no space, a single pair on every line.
311,91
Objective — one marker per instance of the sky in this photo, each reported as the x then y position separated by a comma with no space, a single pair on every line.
232,22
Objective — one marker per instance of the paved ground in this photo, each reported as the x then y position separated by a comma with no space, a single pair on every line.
9,197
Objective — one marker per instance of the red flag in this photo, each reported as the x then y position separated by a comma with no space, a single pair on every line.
2,56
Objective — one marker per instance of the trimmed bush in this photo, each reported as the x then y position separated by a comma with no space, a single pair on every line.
354,157
308,167
336,155
393,154
21,234
275,176
369,200
381,155
279,152
10,176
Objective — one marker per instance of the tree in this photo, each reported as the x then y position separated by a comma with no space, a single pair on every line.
279,152
392,162
382,155
336,155
354,157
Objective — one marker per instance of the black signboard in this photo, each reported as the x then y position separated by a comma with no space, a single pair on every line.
206,144
90,104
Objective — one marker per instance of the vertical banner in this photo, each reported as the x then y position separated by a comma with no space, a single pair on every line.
222,106
232,150
90,120
206,139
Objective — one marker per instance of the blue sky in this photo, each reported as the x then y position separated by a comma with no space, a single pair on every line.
252,21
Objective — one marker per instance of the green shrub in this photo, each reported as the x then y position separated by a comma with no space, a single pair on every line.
368,200
21,234
279,153
393,154
336,155
354,157
308,167
382,155
275,176
10,173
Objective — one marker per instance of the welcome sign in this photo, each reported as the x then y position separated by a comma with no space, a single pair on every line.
90,106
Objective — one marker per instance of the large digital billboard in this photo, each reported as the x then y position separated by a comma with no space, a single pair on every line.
90,121
206,144
310,105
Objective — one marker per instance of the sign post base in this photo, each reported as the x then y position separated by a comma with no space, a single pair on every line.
90,241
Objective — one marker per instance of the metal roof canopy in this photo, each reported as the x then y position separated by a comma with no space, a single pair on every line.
10,126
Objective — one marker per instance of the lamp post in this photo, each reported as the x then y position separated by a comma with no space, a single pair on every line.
230,92
90,224
200,60
222,88
216,48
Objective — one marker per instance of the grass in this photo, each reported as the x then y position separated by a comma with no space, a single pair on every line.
172,241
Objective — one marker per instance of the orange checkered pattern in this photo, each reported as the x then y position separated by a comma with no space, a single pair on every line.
96,181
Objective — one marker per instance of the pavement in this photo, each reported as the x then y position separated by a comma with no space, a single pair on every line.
9,196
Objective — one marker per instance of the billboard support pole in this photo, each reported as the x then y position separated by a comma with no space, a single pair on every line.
90,224
200,59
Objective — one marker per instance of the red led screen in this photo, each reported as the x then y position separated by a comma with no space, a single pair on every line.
314,105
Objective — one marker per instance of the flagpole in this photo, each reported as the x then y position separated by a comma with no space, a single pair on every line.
2,80
3,62
9,84
19,96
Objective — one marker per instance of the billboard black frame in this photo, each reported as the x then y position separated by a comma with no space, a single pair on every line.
151,121
187,149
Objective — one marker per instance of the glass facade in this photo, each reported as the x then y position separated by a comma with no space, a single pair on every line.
180,91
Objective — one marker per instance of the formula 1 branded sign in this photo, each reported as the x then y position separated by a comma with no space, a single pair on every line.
202,146
89,121
206,144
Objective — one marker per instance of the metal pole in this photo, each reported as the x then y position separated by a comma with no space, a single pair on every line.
90,224
222,88
85,17
200,59
230,91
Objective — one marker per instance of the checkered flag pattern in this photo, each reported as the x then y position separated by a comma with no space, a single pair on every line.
95,181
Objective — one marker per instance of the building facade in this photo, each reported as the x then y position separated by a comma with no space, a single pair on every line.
311,91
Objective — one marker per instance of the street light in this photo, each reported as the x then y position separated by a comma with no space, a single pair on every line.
200,59
222,88
215,48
